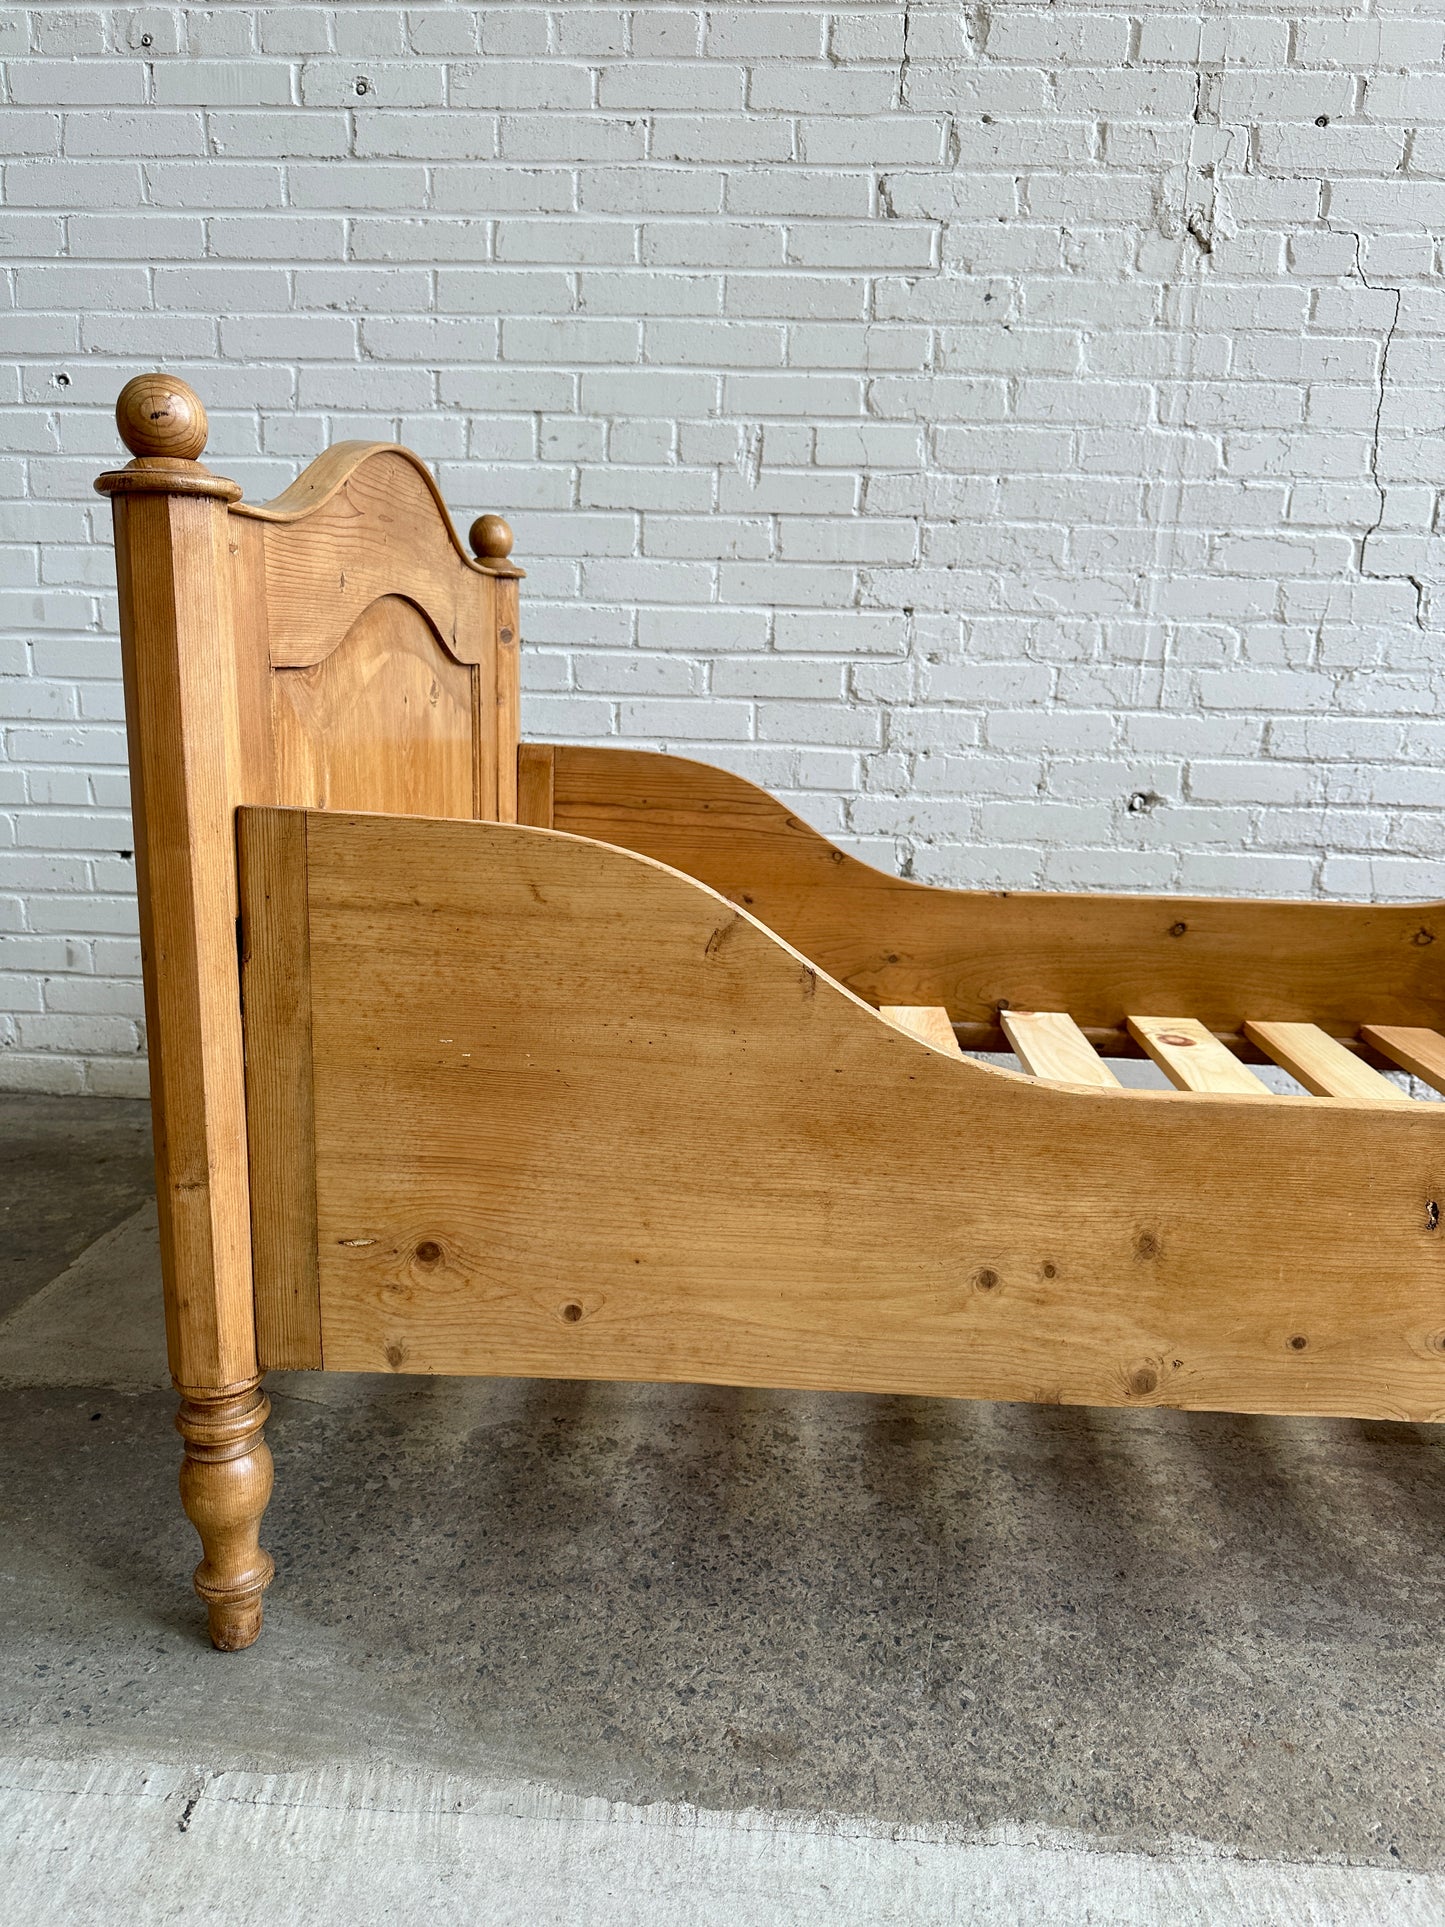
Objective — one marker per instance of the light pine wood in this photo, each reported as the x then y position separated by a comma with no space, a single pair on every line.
162,420
1049,1044
386,683
1193,1058
175,654
365,520
1098,957
491,539
807,1198
276,1003
927,1022
335,646
226,1479
1420,1052
386,655
1323,1065
183,722
534,785
508,699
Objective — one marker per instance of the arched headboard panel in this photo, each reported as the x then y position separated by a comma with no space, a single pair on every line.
385,684
388,656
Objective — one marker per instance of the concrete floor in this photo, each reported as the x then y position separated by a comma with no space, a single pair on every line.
545,1652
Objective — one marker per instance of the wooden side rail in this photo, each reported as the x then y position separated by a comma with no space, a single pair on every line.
978,954
567,1112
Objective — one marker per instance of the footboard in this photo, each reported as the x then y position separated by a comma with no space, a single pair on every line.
524,1103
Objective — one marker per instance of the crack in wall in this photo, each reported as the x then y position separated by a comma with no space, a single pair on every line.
1376,575
907,59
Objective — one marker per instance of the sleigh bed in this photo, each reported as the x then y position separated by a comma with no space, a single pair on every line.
472,1055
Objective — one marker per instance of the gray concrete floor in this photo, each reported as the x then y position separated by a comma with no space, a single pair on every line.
562,1651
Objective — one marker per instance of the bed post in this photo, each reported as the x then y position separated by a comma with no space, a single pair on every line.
172,562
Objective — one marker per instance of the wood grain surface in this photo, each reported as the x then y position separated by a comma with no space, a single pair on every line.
578,1116
977,952
1049,1044
1193,1058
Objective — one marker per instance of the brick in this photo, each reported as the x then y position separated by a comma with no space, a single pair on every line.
663,87
513,30
591,137
651,190
366,85
67,184
809,89
694,244
764,33
294,30
520,86
589,33
292,136
82,83
715,344
222,83
150,131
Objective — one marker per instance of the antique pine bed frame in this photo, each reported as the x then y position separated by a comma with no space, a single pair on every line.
477,1056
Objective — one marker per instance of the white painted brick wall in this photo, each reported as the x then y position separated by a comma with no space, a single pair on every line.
1011,432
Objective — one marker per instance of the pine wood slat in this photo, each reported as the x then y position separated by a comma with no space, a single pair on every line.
928,1022
1191,1056
1322,1064
1421,1052
1049,1044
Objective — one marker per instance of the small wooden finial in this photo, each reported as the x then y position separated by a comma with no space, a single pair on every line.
160,415
491,539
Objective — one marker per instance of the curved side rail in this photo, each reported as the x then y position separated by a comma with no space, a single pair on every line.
564,1111
980,953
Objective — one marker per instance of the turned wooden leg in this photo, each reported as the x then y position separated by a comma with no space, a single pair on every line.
225,1483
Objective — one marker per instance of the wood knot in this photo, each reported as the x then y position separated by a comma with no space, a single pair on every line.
572,1313
396,1354
1048,1270
1177,1039
161,415
1147,1247
987,1280
1299,1342
428,1252
1177,929
491,538
1142,1381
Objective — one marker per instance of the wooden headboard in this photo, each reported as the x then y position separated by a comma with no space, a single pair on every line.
374,661
337,649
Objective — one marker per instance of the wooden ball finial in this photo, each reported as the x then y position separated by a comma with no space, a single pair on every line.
491,539
161,415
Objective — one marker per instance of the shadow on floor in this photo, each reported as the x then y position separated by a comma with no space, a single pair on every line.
1135,1625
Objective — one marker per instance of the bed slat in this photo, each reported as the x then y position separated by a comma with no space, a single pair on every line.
1049,1044
1322,1064
1420,1052
930,1022
1191,1056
